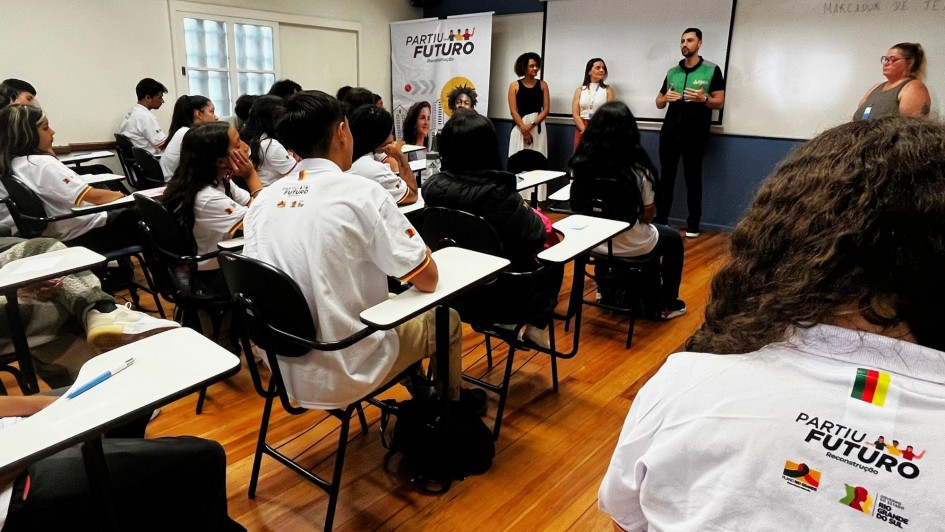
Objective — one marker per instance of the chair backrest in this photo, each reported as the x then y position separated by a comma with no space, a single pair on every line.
167,245
526,160
126,157
268,299
151,175
26,208
604,198
444,227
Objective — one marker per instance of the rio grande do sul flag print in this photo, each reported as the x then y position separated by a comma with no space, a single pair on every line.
870,386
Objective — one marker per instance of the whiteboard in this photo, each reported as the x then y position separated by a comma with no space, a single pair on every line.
512,36
799,67
638,40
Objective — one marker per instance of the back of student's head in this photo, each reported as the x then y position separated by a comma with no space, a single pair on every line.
611,143
342,92
202,148
262,119
469,143
149,87
370,127
184,109
356,97
20,86
284,88
850,226
19,133
309,123
243,105
7,95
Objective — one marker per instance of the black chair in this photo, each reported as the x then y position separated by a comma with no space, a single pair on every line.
29,215
126,158
272,313
526,160
172,258
150,174
443,227
628,285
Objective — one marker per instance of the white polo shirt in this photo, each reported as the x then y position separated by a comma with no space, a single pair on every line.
339,237
171,158
274,161
142,128
217,217
367,166
61,189
786,438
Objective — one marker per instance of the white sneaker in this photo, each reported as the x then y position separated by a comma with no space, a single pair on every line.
122,326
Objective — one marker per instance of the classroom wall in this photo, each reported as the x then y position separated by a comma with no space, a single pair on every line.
85,56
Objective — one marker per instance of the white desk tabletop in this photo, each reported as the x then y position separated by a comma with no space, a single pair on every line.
581,234
231,244
167,366
415,206
534,178
418,166
47,266
81,157
562,194
119,203
93,179
407,148
459,269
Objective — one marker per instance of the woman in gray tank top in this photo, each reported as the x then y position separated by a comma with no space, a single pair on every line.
903,93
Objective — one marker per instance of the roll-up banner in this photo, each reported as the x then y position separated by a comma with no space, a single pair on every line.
432,57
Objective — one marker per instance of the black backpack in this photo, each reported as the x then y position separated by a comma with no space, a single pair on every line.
439,452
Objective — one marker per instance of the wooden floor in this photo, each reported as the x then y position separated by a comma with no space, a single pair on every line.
552,454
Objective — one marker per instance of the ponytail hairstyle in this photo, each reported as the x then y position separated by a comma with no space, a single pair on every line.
184,109
262,118
203,145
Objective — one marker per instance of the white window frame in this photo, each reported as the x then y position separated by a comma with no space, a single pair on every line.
178,10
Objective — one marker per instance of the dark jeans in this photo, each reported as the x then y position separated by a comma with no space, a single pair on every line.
690,145
162,484
669,248
120,231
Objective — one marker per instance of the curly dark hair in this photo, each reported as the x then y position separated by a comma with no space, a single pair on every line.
852,222
521,64
410,121
462,89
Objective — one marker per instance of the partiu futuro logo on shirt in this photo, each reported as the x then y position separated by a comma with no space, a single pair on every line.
851,446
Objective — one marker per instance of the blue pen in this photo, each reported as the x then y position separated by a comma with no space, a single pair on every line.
100,379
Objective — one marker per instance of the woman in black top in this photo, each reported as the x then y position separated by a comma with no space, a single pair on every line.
529,103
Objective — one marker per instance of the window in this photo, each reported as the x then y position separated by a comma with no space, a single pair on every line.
225,58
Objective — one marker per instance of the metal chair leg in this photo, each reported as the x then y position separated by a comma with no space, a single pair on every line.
504,394
260,444
336,474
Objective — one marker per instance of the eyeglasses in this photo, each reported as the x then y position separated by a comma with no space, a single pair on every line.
889,59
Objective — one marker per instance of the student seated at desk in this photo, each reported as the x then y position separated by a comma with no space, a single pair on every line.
270,158
174,483
472,181
373,131
823,334
188,111
610,149
354,238
47,306
26,152
202,195
140,125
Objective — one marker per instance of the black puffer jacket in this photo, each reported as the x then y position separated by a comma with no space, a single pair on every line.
491,194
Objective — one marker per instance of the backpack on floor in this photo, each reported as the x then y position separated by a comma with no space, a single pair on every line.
439,452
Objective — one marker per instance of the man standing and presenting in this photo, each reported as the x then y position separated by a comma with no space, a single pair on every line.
140,125
692,90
